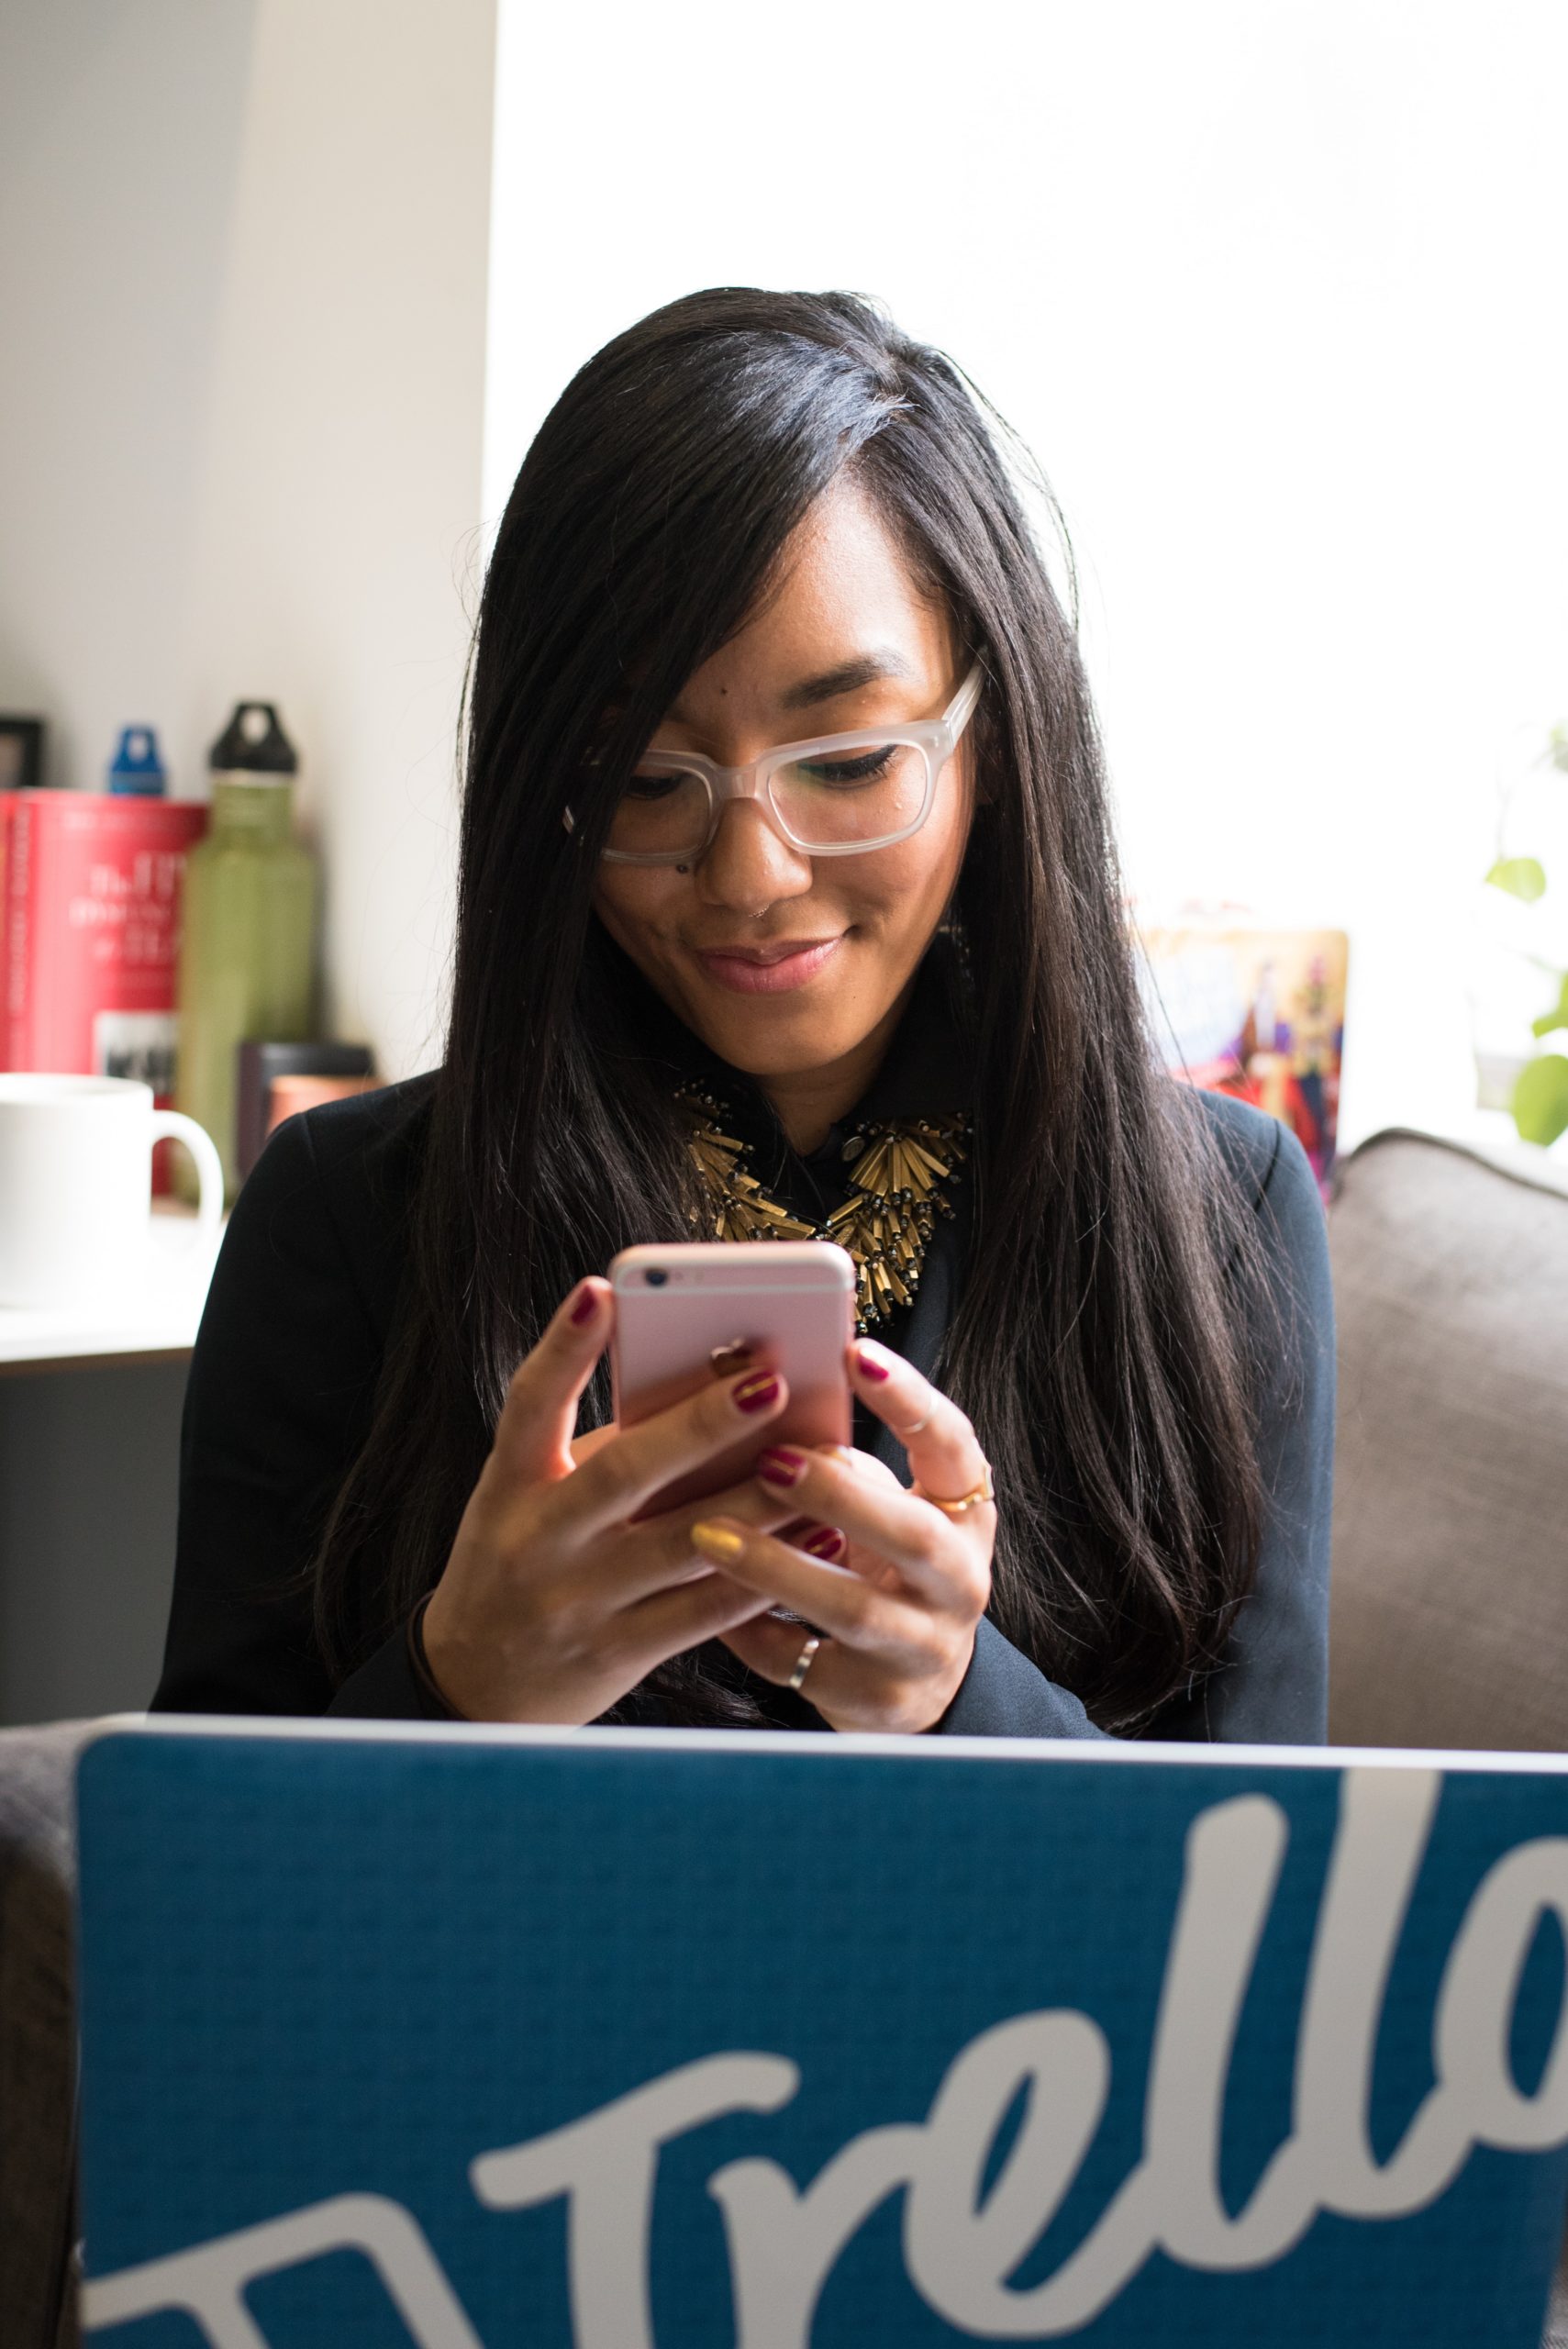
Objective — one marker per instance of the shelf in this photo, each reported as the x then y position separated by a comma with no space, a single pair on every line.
157,1322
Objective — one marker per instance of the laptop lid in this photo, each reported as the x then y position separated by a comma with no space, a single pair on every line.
608,2039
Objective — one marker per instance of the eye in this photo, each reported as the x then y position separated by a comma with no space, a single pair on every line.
865,767
648,787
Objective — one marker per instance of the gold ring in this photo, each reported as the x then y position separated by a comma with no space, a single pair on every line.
984,1491
803,1665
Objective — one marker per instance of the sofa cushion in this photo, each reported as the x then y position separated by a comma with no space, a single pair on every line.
38,2044
1450,1617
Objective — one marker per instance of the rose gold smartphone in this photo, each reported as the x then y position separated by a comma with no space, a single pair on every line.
684,1314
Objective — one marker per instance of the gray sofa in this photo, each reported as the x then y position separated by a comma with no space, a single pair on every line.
36,2038
1450,1623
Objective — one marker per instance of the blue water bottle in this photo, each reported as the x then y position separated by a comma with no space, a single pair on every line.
135,768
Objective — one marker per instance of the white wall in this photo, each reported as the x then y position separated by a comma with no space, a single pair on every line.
242,280
1274,291
119,147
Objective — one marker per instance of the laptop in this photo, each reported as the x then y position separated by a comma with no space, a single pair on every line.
615,2040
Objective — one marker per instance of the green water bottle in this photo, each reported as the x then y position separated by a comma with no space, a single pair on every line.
248,936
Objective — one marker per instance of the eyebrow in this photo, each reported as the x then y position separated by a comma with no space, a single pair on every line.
849,678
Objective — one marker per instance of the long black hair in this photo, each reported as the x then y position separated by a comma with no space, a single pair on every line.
1111,1339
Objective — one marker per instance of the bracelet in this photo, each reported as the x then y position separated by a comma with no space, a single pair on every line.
420,1662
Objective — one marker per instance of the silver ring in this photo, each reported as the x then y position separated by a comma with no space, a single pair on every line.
904,1433
802,1664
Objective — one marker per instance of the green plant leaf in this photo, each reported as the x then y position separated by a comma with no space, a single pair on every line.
1540,1099
1557,1016
1557,746
1521,876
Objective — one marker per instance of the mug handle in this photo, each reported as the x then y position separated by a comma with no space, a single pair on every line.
171,1125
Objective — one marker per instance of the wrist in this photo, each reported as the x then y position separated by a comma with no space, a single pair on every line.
419,1657
954,1692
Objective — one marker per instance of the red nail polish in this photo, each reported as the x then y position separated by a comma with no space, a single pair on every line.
869,1367
779,1467
754,1394
825,1542
587,1305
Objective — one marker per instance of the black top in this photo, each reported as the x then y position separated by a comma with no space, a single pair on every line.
300,1312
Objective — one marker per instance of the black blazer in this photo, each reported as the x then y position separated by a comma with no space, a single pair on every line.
284,1376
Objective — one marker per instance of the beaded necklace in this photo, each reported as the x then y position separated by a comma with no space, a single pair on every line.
902,1171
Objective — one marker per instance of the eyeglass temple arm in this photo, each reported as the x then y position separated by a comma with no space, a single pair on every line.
960,709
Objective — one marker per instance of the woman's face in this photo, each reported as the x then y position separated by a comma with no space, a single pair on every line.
784,965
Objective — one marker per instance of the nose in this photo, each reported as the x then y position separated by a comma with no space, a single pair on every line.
749,865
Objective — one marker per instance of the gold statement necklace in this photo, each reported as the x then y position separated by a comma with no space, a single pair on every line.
901,1175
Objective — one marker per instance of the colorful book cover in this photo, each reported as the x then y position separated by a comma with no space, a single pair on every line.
1256,1012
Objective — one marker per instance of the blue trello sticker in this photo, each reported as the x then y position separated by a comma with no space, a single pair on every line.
622,2041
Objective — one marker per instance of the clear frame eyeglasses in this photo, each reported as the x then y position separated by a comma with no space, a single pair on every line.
838,795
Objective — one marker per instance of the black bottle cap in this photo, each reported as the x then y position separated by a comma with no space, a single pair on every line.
253,740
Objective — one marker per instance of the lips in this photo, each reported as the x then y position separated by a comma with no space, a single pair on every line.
773,969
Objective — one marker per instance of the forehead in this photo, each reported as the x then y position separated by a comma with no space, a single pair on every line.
846,609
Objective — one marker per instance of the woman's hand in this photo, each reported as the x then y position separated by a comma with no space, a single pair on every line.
898,1616
552,1605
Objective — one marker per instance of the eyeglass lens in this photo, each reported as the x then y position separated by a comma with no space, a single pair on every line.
863,794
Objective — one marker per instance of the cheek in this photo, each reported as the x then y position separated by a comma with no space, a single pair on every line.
636,905
912,882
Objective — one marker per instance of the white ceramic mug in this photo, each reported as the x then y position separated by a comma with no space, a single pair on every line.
76,1187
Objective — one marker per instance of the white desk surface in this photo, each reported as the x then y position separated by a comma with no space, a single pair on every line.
155,1323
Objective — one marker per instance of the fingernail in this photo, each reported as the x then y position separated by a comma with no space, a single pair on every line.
755,1394
825,1542
716,1541
868,1367
587,1305
779,1467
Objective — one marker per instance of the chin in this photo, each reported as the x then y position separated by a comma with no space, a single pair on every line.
778,1044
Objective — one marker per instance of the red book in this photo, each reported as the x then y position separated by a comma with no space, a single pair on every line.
89,888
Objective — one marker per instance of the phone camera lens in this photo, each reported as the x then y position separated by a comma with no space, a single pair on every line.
656,1276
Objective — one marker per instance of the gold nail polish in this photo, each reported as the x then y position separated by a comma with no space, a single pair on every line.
718,1541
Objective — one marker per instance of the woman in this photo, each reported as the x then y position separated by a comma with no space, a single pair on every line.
755,520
